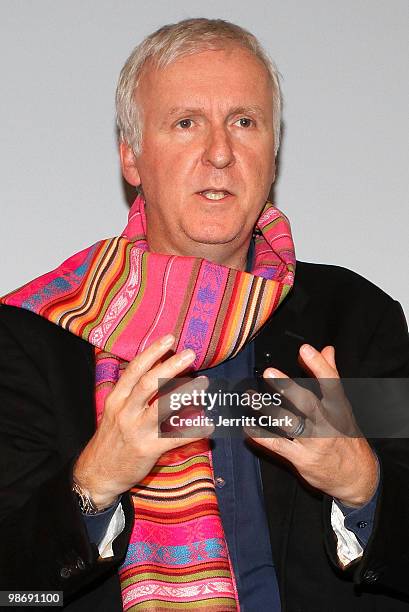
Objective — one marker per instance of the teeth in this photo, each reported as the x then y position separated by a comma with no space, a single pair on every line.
214,195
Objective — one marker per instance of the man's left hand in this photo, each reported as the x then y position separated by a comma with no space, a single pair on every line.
342,466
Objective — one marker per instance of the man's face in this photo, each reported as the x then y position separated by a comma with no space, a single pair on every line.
207,159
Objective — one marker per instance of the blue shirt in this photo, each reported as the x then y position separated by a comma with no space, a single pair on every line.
240,497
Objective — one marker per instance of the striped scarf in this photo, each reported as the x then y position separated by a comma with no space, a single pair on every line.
120,297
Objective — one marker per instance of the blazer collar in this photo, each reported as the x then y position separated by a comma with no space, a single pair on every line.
279,341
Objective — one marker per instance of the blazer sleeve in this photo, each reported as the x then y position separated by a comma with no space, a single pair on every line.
385,560
43,540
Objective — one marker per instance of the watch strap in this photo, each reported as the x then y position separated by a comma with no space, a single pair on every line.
85,501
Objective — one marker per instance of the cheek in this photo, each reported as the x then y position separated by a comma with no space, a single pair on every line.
258,161
266,171
173,167
155,173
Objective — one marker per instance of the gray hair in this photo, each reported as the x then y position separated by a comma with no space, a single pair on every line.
167,45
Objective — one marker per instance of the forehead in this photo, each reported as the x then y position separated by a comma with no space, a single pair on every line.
221,77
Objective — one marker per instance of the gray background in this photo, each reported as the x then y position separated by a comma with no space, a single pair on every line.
343,164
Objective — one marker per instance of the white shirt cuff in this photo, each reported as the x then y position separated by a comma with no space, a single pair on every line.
348,547
115,527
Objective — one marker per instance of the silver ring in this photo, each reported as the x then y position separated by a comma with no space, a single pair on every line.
299,429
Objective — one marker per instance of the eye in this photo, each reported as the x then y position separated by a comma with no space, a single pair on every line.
185,123
245,122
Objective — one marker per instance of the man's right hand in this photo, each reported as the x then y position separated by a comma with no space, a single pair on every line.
126,445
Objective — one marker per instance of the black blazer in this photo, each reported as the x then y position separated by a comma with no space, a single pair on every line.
47,417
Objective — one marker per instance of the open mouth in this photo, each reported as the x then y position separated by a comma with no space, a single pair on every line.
215,194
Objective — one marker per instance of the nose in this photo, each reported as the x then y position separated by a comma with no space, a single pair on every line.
218,150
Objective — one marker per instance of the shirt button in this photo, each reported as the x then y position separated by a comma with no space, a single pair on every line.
65,572
80,564
219,482
370,576
362,524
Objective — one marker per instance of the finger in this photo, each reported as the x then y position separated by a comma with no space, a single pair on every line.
186,395
189,432
324,371
316,362
289,449
303,399
285,419
158,376
336,408
141,364
328,352
324,417
176,439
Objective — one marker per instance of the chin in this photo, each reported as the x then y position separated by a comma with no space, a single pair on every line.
213,238
213,234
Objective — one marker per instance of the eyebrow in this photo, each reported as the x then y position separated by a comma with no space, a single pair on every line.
183,110
252,109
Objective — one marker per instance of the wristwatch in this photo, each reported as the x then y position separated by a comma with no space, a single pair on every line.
85,501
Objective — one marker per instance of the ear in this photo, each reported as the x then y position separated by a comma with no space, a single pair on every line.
274,173
275,163
128,165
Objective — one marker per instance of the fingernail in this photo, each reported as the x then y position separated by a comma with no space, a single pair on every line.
187,356
270,373
307,351
167,340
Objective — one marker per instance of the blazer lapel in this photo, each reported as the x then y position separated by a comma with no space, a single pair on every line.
278,345
73,385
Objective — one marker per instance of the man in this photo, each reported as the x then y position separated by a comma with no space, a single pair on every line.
198,112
